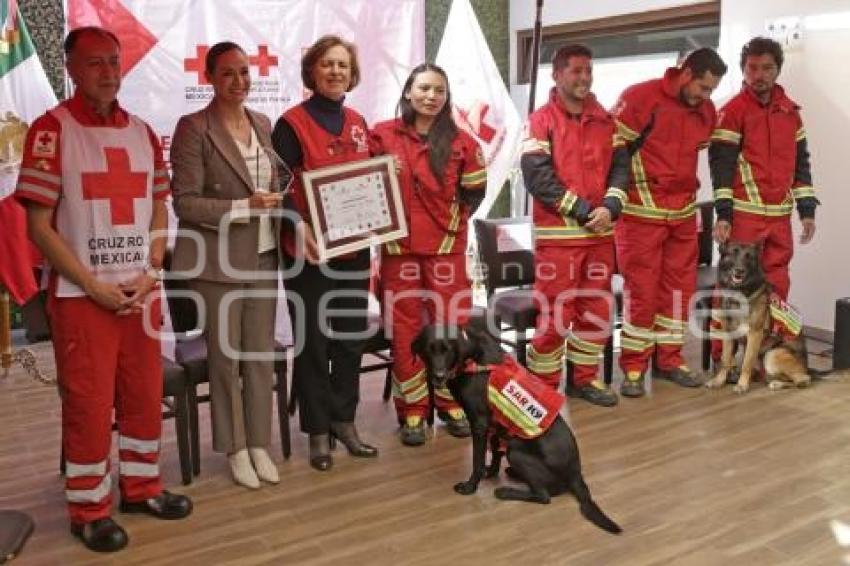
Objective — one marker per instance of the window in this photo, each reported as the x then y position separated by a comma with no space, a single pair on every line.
641,35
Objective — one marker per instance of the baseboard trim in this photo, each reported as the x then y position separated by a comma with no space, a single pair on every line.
819,334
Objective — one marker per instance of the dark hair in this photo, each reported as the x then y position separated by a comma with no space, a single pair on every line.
75,34
562,56
704,59
217,51
762,46
443,130
318,49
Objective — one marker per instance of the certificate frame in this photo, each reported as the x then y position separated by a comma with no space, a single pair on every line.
317,180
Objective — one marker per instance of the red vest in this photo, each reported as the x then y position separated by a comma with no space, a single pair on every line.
664,180
767,136
581,151
320,148
520,402
436,218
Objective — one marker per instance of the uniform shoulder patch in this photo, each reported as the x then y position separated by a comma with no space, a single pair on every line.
44,144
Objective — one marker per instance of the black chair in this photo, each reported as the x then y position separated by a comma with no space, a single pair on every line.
508,276
706,275
190,351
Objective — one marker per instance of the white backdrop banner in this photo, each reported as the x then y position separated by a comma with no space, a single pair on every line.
164,43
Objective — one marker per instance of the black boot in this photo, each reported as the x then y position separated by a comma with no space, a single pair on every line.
320,455
101,535
166,505
347,434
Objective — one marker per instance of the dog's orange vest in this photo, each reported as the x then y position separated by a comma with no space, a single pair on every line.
521,403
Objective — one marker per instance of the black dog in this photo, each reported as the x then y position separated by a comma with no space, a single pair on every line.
549,464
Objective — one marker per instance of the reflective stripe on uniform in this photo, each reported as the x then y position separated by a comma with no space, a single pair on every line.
724,135
73,470
95,495
138,469
449,239
138,446
660,213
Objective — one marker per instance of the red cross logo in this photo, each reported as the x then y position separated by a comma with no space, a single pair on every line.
472,120
196,65
45,138
263,60
118,185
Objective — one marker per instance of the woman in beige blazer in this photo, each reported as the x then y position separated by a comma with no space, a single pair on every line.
223,189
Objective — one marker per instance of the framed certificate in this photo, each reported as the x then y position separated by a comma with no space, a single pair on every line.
354,205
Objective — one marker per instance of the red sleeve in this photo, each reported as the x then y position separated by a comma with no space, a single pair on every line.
40,179
474,172
376,142
629,115
161,182
536,138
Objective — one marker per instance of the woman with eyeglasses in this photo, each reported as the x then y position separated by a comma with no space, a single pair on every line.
320,132
442,177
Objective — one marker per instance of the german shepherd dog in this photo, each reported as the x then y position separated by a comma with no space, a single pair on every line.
549,464
783,359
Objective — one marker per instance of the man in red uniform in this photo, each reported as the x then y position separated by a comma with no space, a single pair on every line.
94,183
760,165
576,169
665,123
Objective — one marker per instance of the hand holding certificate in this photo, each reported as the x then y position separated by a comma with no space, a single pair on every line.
354,206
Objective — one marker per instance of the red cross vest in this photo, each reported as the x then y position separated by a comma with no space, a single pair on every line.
320,149
104,213
519,402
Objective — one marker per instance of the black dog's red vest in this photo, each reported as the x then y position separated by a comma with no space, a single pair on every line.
519,402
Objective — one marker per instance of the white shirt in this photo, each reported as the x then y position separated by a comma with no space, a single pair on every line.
260,168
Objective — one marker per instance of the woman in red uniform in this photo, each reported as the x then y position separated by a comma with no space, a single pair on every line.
320,132
442,177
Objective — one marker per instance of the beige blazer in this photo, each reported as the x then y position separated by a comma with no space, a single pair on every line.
208,174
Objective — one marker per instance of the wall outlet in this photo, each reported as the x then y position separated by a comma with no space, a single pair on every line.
788,31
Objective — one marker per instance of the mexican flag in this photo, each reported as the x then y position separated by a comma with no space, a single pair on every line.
25,94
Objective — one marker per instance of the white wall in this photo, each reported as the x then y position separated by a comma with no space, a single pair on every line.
815,75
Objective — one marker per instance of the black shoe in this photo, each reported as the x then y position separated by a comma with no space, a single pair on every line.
681,375
166,505
347,434
457,426
101,535
598,393
413,433
632,385
320,456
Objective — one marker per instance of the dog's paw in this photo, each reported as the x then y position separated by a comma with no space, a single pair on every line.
466,488
742,387
775,385
716,382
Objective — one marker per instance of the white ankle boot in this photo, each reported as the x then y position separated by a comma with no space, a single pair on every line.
265,468
242,471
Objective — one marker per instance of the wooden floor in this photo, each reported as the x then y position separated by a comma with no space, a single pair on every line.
693,477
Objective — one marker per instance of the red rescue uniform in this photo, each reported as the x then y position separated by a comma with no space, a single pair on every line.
424,275
760,167
101,175
569,169
657,238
